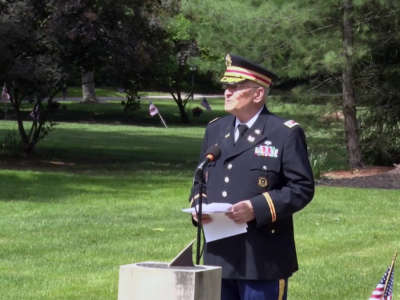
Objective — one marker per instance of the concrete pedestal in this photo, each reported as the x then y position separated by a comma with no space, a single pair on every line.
154,281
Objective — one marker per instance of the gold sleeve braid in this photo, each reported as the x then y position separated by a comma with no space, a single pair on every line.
271,206
282,284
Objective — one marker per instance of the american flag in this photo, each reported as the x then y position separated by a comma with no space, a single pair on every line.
205,103
35,113
4,94
153,110
384,289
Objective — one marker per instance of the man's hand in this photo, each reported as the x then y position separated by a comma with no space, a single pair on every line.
242,212
205,219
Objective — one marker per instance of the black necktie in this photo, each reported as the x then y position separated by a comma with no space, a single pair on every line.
242,130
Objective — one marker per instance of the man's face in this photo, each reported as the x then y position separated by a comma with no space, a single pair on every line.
239,97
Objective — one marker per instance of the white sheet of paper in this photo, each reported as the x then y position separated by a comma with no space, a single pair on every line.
210,208
221,226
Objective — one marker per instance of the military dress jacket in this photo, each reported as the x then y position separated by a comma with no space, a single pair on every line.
269,166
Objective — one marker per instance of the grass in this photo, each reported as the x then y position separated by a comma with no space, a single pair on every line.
105,92
345,239
323,138
65,235
97,196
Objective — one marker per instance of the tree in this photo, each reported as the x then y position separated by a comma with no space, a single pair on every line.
379,82
302,40
29,67
95,33
173,69
135,48
349,102
42,40
82,36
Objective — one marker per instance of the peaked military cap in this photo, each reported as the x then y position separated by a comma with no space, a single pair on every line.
240,69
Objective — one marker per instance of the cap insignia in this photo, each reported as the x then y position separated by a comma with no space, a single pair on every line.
228,60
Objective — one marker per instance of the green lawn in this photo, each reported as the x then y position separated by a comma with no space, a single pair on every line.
325,140
105,92
97,196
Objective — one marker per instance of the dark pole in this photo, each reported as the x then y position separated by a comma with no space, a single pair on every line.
193,70
199,213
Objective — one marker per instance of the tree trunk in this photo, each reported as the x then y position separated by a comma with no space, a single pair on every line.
88,86
182,112
349,102
181,105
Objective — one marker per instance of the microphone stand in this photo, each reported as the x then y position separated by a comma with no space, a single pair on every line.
213,153
199,214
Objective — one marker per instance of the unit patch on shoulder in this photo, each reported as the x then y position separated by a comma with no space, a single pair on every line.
291,123
213,120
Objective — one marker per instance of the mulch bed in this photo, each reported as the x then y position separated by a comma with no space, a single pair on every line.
371,177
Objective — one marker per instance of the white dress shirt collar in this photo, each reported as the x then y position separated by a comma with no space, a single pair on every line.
250,122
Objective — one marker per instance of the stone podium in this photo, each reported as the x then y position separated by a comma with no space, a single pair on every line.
178,280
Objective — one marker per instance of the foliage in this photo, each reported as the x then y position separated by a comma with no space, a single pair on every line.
117,38
93,33
170,44
46,40
197,111
381,135
301,41
174,71
318,164
132,102
29,67
379,84
271,33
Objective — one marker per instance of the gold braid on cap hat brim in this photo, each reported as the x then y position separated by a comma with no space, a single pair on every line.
243,73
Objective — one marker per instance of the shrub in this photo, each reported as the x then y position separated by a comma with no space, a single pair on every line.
197,111
318,162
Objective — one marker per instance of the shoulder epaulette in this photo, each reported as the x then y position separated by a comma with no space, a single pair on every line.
291,123
213,120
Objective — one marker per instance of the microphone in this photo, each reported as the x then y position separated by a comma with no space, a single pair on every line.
212,154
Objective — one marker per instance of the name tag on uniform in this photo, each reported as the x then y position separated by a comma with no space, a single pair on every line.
266,151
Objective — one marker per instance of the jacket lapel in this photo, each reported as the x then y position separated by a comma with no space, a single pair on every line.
227,137
252,137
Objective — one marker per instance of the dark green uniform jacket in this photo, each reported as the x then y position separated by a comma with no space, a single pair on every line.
269,166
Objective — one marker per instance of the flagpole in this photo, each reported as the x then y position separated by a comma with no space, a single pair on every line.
389,274
162,120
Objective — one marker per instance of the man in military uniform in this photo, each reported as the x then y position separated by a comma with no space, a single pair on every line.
264,171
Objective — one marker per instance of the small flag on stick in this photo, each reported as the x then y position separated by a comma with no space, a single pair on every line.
35,113
205,103
384,289
153,110
5,96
